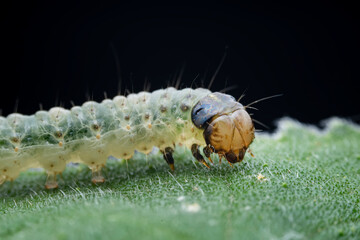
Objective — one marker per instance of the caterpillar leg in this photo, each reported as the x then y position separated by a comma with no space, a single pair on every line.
250,152
167,153
95,159
51,182
97,177
207,152
196,153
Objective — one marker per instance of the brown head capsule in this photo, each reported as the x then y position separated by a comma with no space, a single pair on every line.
228,128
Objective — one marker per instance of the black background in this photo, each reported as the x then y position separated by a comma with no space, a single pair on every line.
53,53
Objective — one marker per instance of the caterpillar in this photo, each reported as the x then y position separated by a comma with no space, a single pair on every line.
92,132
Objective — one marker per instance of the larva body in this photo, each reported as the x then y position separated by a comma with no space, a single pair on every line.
91,133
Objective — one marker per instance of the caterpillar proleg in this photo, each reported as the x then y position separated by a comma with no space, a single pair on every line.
92,132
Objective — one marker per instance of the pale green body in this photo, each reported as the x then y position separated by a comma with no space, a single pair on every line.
94,131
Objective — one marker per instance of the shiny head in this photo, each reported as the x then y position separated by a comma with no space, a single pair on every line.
228,128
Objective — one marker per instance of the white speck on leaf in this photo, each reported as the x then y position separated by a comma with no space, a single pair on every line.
192,208
261,177
247,208
181,198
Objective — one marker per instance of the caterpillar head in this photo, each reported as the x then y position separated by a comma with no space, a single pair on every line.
228,128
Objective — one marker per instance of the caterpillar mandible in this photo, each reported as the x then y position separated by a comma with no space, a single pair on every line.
91,133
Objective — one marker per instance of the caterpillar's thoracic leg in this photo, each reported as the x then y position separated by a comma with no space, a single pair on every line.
196,153
51,182
207,152
249,151
167,153
97,177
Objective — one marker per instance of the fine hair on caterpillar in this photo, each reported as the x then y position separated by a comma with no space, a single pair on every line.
92,132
